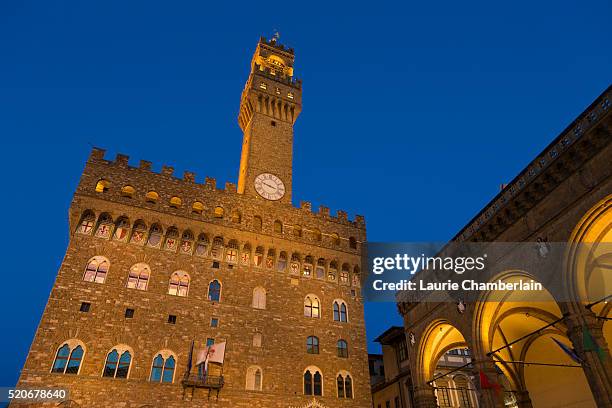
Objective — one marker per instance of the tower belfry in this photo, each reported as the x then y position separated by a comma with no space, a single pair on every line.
271,102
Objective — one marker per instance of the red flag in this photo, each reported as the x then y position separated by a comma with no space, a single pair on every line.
486,383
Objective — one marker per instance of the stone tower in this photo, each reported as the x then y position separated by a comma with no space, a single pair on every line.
271,102
159,266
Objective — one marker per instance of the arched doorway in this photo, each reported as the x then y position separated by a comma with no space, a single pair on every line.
525,339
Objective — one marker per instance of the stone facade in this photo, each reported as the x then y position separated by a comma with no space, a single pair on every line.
237,238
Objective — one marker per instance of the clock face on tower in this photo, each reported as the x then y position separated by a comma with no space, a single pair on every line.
269,186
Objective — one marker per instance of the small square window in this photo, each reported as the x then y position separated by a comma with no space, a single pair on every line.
214,322
172,319
85,306
215,264
273,123
230,266
129,313
210,342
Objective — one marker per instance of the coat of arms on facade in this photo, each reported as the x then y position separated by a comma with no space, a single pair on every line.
312,404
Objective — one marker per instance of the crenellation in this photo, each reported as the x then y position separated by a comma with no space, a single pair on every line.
230,187
342,216
324,211
211,183
97,154
167,170
145,165
189,176
306,206
121,160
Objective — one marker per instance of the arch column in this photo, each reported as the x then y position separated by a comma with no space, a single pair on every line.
598,373
424,397
490,397
523,400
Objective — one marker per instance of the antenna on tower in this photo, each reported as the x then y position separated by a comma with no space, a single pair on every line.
276,35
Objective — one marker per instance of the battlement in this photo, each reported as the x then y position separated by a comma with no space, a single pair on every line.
118,174
284,79
272,42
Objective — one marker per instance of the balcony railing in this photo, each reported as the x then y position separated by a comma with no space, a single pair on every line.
207,381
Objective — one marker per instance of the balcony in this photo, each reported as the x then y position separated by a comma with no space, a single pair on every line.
207,381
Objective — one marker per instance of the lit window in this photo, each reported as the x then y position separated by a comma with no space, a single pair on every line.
179,284
197,208
163,369
128,191
214,291
138,277
290,95
96,269
68,358
151,197
218,212
102,186
263,85
175,202
312,306
118,363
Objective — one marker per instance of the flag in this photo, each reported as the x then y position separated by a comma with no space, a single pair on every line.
486,383
190,358
590,344
569,351
212,354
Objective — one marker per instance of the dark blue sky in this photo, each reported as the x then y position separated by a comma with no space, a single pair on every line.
413,112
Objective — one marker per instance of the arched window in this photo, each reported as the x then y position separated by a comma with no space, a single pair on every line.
316,234
332,272
281,264
176,202
257,223
270,258
320,269
312,306
197,207
257,338
96,269
122,229
297,230
172,238
163,368
139,232
356,276
352,243
259,298
102,186
278,227
312,345
340,311
254,378
231,253
179,284
187,242
151,197
236,217
344,274
307,266
68,358
118,363
155,236
245,254
258,258
218,212
202,245
105,226
217,248
128,191
342,348
344,385
214,291
87,222
138,277
313,381
335,239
